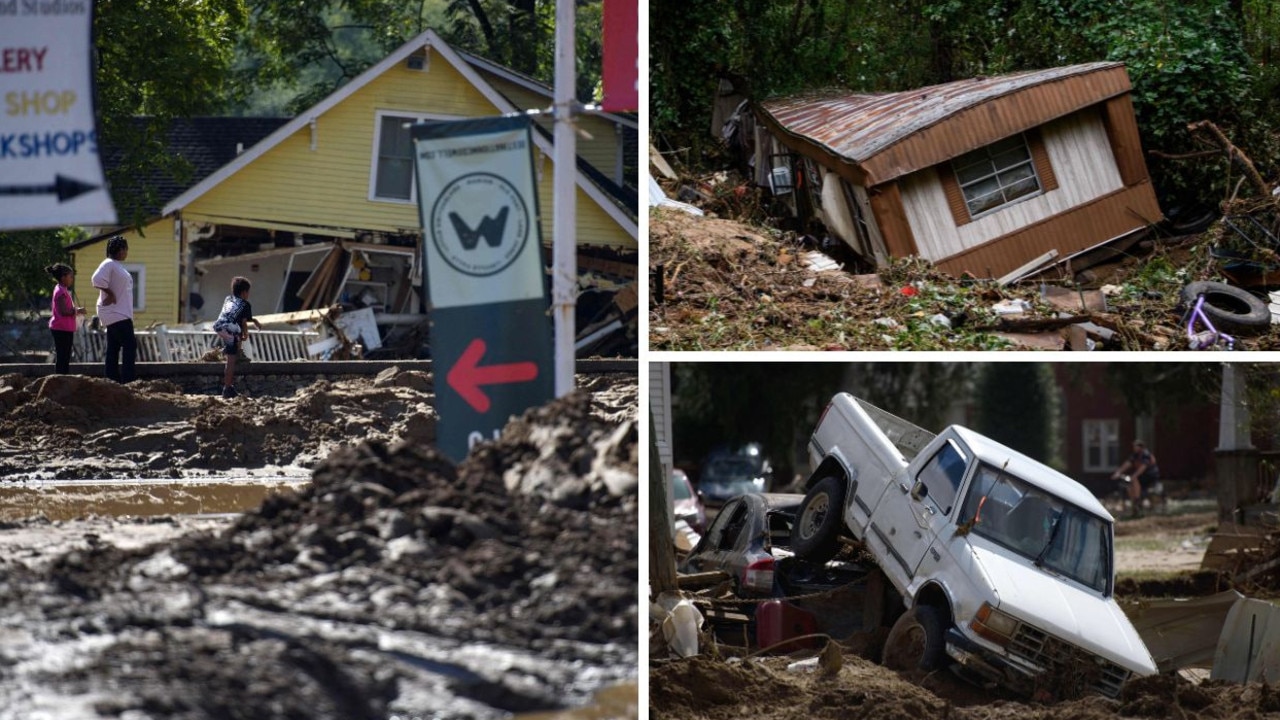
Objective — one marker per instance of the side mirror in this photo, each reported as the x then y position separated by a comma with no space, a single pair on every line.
919,491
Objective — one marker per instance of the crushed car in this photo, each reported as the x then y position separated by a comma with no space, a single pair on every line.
1005,566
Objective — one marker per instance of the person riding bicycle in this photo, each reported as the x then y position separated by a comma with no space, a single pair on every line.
1143,474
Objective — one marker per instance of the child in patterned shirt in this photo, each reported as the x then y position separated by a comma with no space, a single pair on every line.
232,327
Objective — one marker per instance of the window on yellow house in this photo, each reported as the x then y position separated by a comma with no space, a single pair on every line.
391,179
139,274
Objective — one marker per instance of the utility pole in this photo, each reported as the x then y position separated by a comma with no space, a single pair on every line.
1235,459
564,243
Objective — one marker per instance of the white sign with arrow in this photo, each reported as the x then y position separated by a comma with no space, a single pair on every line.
50,171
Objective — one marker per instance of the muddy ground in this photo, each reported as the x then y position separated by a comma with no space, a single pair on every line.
386,582
732,285
1156,556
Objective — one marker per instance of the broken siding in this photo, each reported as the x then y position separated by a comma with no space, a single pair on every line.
1080,154
1079,228
330,186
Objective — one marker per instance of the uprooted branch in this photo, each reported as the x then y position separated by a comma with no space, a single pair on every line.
1235,154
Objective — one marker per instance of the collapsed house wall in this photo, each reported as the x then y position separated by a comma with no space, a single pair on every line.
1064,167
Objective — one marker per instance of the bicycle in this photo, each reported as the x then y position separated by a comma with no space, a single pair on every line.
1210,337
1152,496
1220,308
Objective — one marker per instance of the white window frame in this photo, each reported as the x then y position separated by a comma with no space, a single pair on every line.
985,154
139,273
409,115
1103,434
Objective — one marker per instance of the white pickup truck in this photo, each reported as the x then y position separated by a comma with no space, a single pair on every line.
1005,565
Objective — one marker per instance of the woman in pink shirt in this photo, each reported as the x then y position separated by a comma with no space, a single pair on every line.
65,310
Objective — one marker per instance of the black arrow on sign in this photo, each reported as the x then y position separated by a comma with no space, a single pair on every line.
64,187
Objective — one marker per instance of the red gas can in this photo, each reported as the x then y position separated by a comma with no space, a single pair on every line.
779,620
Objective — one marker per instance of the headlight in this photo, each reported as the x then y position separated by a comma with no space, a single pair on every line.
996,626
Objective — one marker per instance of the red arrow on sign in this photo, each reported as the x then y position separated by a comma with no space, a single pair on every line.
466,376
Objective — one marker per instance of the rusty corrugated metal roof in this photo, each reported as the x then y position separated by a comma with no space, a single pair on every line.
860,126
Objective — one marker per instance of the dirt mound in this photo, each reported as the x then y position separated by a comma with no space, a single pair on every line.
766,689
395,583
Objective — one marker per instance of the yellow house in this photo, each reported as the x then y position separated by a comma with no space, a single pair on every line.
338,179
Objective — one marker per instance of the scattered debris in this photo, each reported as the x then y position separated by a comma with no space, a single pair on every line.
716,274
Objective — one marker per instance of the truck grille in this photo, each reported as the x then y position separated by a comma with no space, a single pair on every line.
1068,669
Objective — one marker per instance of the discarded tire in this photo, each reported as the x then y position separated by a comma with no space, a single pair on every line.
916,641
1230,309
815,536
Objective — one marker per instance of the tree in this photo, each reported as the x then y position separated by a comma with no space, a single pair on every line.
24,285
1188,61
159,61
1017,406
927,394
735,403
304,51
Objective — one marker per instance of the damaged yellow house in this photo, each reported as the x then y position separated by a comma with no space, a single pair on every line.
332,189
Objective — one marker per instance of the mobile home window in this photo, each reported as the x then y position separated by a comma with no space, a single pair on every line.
393,170
996,175
1101,445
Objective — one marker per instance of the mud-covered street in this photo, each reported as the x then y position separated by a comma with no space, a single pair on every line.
369,577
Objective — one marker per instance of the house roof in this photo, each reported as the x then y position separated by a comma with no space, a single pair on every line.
205,143
535,85
885,136
428,39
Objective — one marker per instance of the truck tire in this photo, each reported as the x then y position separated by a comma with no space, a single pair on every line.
1229,308
816,534
915,641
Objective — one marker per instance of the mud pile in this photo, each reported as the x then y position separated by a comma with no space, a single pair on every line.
394,583
76,427
714,689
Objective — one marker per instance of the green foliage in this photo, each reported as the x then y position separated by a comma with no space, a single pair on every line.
160,60
734,403
1188,61
1016,405
24,285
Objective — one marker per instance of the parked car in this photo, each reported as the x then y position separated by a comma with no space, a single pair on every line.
741,541
685,503
728,473
1005,565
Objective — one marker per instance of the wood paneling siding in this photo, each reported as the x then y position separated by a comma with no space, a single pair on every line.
1079,228
984,124
1080,154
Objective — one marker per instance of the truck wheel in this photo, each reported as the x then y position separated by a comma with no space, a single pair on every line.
1229,308
816,534
915,641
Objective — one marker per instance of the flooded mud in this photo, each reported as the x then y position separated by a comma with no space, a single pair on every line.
389,583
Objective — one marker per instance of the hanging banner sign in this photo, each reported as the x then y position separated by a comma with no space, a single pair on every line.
50,171
490,333
621,50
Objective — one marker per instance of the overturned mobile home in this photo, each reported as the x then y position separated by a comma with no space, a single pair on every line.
986,176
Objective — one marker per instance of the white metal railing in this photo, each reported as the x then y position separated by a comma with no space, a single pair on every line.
163,345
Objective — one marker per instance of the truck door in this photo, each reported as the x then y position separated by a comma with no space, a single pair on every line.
915,509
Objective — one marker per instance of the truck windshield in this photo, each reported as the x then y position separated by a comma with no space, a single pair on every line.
1055,534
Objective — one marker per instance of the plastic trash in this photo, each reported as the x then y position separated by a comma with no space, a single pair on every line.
680,629
940,319
1011,307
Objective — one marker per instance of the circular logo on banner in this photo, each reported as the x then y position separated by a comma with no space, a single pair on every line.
479,224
